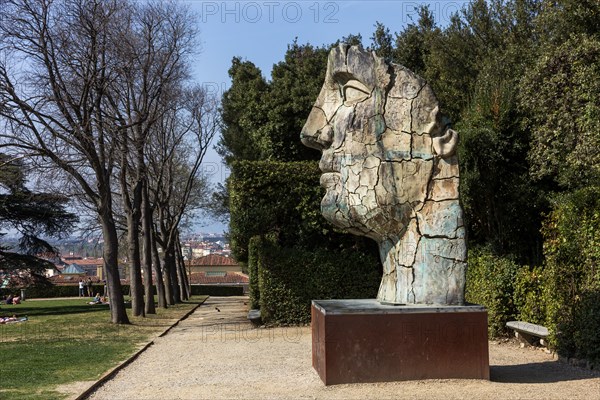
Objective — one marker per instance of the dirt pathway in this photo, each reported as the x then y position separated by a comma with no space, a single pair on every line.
216,354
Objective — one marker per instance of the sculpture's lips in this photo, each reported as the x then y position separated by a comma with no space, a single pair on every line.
330,179
328,162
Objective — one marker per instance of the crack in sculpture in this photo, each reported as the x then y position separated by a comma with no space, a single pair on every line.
391,173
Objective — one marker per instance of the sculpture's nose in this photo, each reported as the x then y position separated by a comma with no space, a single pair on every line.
316,132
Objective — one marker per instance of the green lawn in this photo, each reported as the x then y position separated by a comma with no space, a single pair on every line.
67,341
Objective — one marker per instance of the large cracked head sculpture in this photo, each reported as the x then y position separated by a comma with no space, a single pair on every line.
391,173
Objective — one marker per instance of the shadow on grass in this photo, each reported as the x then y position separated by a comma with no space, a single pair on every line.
541,372
54,310
46,308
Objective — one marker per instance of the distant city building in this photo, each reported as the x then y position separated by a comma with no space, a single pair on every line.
90,266
213,263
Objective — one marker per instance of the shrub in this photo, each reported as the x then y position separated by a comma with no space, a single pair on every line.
530,294
289,278
572,251
490,283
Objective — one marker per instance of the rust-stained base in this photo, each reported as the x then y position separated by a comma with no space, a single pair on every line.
363,341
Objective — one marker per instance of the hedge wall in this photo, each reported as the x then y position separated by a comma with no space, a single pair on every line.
52,291
282,199
253,249
564,293
490,282
289,278
217,290
572,275
73,291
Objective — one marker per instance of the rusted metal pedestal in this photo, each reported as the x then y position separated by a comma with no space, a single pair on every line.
363,341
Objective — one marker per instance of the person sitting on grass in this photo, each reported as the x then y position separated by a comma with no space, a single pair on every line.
16,300
9,299
97,300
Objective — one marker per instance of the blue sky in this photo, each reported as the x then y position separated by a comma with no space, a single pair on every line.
260,31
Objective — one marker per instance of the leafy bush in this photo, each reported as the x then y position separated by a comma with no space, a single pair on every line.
289,278
531,296
572,250
490,282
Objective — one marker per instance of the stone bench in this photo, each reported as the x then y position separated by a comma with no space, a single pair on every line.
529,333
254,317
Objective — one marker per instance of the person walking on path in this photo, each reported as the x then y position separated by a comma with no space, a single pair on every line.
81,288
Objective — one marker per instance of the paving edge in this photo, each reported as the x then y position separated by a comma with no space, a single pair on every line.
111,373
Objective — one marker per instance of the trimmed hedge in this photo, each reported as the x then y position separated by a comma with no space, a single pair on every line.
289,278
283,200
275,197
531,297
572,275
253,248
490,282
52,291
73,291
564,293
217,290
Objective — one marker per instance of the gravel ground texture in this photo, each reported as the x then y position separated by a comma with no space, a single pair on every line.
217,354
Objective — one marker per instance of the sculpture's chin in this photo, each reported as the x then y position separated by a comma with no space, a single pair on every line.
333,210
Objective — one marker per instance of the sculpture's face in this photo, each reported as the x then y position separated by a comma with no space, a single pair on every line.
374,123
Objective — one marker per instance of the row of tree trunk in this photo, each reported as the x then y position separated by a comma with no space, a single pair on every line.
101,100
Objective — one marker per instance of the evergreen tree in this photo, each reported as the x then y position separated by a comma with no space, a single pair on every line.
34,216
243,114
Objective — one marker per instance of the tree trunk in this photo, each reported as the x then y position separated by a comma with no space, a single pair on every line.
171,272
147,259
183,294
135,270
118,315
158,273
181,273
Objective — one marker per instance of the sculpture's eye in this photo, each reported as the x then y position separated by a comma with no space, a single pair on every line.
354,91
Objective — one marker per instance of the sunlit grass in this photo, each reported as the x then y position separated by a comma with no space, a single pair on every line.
67,341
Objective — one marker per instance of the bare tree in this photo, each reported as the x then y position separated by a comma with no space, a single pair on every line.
154,59
177,183
56,69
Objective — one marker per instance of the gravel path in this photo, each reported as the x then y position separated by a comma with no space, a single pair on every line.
218,355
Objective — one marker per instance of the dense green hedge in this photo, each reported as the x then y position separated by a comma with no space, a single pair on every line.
564,293
254,291
531,295
52,291
73,291
490,282
289,278
572,287
217,290
282,199
274,197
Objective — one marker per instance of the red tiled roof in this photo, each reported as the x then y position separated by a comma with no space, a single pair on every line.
213,260
230,277
83,261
